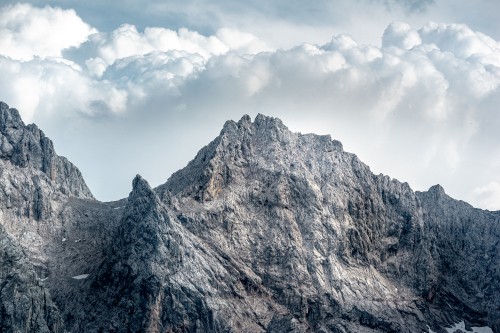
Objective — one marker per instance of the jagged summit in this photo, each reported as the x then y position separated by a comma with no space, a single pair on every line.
261,121
141,199
265,230
436,189
140,186
267,128
10,117
244,146
27,146
436,192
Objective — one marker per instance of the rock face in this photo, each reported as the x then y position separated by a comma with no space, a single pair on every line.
25,304
51,229
27,147
265,230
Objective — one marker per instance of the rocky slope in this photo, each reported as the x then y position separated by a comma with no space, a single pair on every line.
265,230
25,303
51,229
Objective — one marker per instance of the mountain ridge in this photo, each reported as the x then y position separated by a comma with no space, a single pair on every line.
265,230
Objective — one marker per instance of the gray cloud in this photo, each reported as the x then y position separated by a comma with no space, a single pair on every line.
410,5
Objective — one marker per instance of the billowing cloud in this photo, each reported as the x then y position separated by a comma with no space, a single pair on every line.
488,196
126,42
420,107
401,35
26,31
47,86
282,23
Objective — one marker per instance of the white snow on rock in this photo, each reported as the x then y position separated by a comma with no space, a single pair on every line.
80,277
461,326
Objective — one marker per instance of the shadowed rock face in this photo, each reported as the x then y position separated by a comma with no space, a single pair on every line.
25,304
265,230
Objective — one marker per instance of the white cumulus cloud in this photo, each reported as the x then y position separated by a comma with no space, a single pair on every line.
40,87
422,106
126,41
401,35
27,31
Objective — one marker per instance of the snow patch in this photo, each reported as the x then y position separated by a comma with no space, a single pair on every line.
484,329
461,326
80,277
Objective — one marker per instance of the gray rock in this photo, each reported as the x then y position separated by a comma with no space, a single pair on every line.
265,230
25,146
25,302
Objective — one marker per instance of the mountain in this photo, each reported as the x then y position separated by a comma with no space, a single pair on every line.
265,230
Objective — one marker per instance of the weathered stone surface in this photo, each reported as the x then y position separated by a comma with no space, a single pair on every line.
264,231
25,302
50,225
27,146
340,248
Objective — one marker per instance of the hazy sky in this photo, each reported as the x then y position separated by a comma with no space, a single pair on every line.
127,87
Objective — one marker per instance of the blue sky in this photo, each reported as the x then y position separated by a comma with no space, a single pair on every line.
411,87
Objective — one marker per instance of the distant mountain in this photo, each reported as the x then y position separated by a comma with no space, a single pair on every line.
265,230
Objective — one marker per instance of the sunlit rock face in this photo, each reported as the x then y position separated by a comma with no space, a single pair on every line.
265,230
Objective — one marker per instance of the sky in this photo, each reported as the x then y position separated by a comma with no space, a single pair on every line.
138,87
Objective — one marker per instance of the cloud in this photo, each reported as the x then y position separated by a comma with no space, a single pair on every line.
409,111
282,23
241,42
27,32
460,40
420,107
43,86
409,5
400,34
126,41
488,196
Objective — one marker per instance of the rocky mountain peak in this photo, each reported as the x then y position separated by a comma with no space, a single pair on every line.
26,146
260,121
269,123
9,117
435,195
266,127
141,199
265,143
140,187
245,120
232,126
436,190
265,230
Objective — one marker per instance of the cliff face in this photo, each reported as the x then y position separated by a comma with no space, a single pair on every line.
51,229
265,230
339,247
466,245
27,148
25,303
34,182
